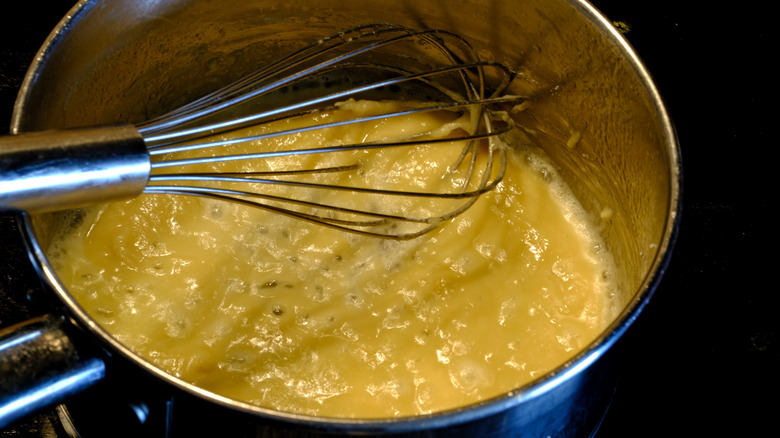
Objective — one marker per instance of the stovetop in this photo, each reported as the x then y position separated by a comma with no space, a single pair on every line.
704,354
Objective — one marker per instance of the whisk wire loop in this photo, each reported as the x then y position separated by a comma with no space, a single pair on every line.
450,70
264,81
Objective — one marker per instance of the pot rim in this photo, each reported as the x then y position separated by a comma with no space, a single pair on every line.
581,361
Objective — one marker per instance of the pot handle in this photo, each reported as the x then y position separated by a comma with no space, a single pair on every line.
39,366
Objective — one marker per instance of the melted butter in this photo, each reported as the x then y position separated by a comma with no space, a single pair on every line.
300,318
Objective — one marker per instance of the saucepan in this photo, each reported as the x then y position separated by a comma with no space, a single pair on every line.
124,60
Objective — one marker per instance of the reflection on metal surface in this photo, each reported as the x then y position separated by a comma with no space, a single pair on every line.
39,366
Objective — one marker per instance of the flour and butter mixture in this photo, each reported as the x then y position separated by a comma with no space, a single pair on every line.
301,318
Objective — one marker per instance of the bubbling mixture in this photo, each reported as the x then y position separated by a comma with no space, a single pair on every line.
300,318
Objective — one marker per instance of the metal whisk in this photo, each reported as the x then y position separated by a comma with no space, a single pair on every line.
185,151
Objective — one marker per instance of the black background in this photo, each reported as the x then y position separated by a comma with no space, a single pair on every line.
703,358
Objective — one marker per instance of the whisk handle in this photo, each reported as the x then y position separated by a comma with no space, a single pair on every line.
62,169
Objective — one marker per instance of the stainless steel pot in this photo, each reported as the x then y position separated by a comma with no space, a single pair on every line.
595,110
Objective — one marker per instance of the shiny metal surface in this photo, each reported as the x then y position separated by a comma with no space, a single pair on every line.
594,110
39,366
62,169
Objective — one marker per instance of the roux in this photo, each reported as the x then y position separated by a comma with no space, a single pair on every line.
295,317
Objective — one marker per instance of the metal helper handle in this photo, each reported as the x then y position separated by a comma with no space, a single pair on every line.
63,169
39,366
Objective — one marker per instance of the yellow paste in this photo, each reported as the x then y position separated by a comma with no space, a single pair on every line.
300,318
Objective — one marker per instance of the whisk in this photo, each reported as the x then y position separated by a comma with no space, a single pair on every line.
171,154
